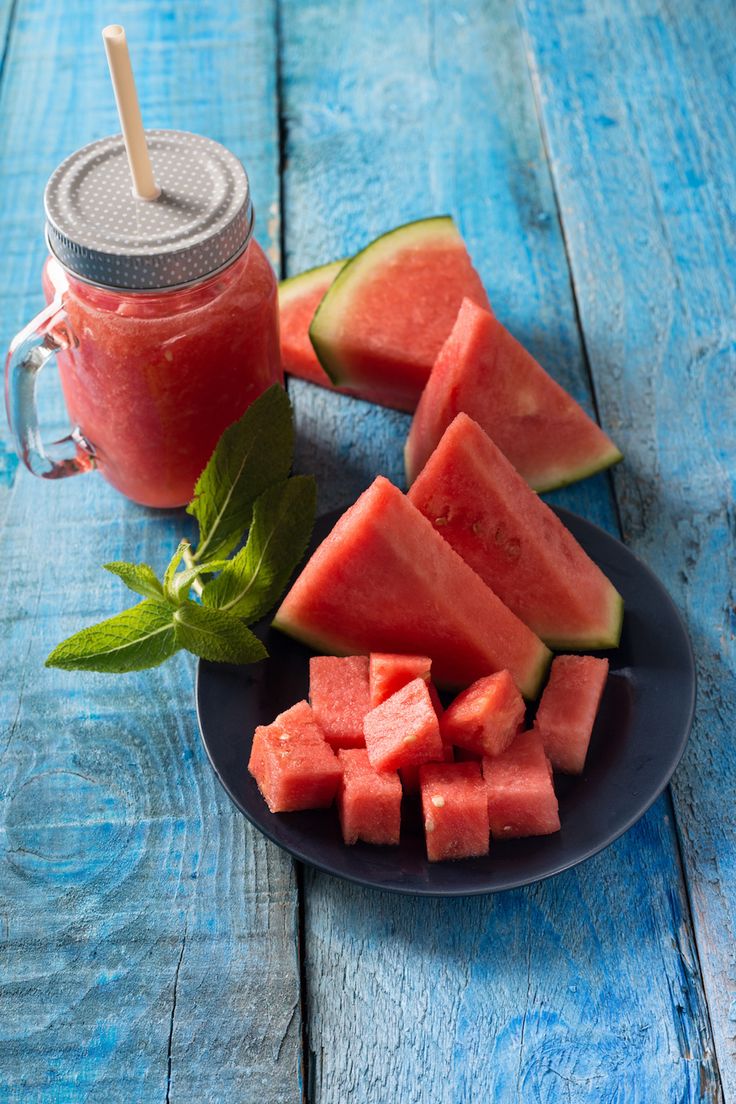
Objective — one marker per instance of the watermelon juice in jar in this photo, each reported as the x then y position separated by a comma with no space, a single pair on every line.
163,315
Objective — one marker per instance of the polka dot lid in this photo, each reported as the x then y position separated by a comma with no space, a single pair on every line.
99,230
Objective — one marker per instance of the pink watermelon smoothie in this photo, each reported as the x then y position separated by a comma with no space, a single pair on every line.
385,317
568,709
521,795
481,506
155,379
384,580
484,371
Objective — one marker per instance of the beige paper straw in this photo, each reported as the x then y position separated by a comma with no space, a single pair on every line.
131,123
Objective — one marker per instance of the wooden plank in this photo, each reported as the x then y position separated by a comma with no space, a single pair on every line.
584,988
148,937
636,101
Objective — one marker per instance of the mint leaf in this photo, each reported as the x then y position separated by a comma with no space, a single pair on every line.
214,634
138,577
174,562
252,454
140,637
254,579
179,585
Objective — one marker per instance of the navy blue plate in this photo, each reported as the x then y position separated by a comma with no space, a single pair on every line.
640,734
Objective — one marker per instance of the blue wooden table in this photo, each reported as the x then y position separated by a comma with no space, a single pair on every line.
152,945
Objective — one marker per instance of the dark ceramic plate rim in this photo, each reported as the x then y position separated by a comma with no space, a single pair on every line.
638,809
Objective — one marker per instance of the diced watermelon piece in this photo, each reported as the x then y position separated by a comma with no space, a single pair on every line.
410,775
383,320
403,731
384,580
299,721
299,297
568,709
485,717
368,801
521,794
389,672
340,694
455,810
293,771
481,505
483,371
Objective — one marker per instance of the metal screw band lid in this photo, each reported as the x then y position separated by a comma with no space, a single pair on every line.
103,233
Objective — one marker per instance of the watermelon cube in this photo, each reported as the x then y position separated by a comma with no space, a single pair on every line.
521,795
368,801
455,810
485,718
568,709
404,730
340,694
293,771
410,775
388,673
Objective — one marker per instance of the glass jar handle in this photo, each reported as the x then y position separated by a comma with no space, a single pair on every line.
30,350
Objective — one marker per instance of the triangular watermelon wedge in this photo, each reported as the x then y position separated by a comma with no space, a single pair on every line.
384,319
482,507
385,581
484,371
299,297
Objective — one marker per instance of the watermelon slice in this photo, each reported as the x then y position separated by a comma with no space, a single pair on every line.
388,673
568,709
485,372
384,319
368,801
521,795
455,810
519,547
340,696
404,730
384,580
299,297
485,718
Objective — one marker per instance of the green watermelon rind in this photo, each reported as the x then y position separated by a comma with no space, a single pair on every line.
295,286
366,261
603,642
598,464
332,646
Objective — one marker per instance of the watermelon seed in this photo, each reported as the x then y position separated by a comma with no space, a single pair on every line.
429,824
438,801
440,521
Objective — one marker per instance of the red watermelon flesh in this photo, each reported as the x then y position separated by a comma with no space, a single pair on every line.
384,580
481,506
368,801
410,775
455,810
340,695
293,771
384,319
485,717
484,371
403,731
568,709
521,795
299,297
388,673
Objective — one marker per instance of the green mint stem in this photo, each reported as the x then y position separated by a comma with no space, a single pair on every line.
188,557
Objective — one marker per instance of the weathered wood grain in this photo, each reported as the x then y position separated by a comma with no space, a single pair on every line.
585,988
147,935
637,102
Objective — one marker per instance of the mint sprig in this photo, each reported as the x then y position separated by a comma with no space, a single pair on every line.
208,596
